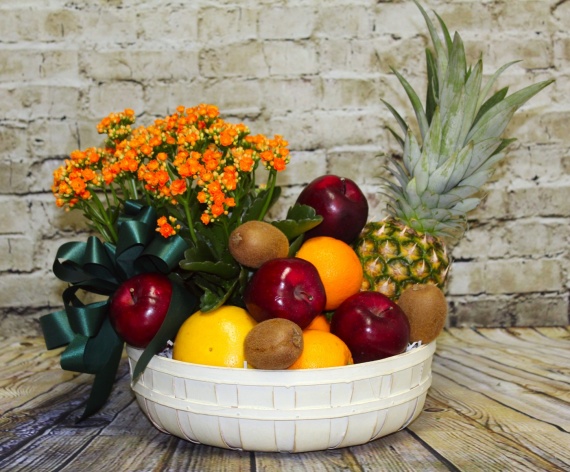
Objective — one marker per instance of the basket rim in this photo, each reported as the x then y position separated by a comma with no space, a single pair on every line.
326,375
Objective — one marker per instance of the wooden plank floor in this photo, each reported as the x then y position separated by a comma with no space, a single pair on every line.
500,401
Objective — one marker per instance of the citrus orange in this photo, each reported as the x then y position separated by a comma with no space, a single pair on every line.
322,349
320,322
338,266
214,338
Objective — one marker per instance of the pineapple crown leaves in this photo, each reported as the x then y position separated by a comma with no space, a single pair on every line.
461,126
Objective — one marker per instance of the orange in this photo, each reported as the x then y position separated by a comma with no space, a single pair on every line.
338,266
322,349
320,322
214,338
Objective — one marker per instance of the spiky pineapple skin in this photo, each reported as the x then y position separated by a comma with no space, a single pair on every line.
394,256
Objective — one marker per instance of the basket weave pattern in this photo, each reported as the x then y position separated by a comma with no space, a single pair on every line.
285,411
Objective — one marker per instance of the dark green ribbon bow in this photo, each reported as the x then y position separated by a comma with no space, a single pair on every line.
93,347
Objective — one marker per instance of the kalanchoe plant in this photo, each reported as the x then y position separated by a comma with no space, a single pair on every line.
199,173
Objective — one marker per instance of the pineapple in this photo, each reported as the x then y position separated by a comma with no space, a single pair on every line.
439,178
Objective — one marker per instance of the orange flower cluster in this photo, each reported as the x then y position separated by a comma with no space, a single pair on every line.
189,158
73,181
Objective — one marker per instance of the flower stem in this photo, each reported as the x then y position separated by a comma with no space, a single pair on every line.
271,179
188,214
99,209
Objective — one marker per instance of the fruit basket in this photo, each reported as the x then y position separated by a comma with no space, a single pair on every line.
284,411
181,201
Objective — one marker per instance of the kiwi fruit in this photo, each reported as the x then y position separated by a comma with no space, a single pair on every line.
273,344
426,309
255,242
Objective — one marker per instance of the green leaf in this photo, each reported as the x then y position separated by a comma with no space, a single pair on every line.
215,295
296,245
222,269
491,102
300,219
215,236
491,82
416,103
256,208
432,95
399,119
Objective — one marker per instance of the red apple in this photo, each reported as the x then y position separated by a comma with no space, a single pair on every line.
288,288
139,307
340,202
372,326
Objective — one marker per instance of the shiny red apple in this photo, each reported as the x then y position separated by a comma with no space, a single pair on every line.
372,326
340,202
288,288
139,307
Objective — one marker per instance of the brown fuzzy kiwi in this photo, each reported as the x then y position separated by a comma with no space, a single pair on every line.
256,242
426,309
273,344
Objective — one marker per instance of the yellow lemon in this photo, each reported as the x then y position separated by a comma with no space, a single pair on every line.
214,338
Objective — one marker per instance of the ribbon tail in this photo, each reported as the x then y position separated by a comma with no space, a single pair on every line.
103,383
102,356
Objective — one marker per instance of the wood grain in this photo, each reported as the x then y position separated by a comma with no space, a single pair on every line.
500,401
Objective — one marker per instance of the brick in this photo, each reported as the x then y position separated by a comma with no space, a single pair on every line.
467,278
17,254
244,59
535,162
290,58
242,96
163,98
12,139
21,65
47,138
481,242
531,16
295,22
310,131
397,20
115,96
523,276
304,167
178,25
14,215
139,65
465,17
28,102
24,290
16,177
357,22
541,310
537,238
279,95
362,164
535,51
39,24
350,92
508,311
110,25
227,24
493,205
548,199
479,311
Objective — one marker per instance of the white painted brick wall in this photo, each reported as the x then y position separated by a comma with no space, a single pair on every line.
313,71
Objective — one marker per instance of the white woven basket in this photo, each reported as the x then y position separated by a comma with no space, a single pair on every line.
284,411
